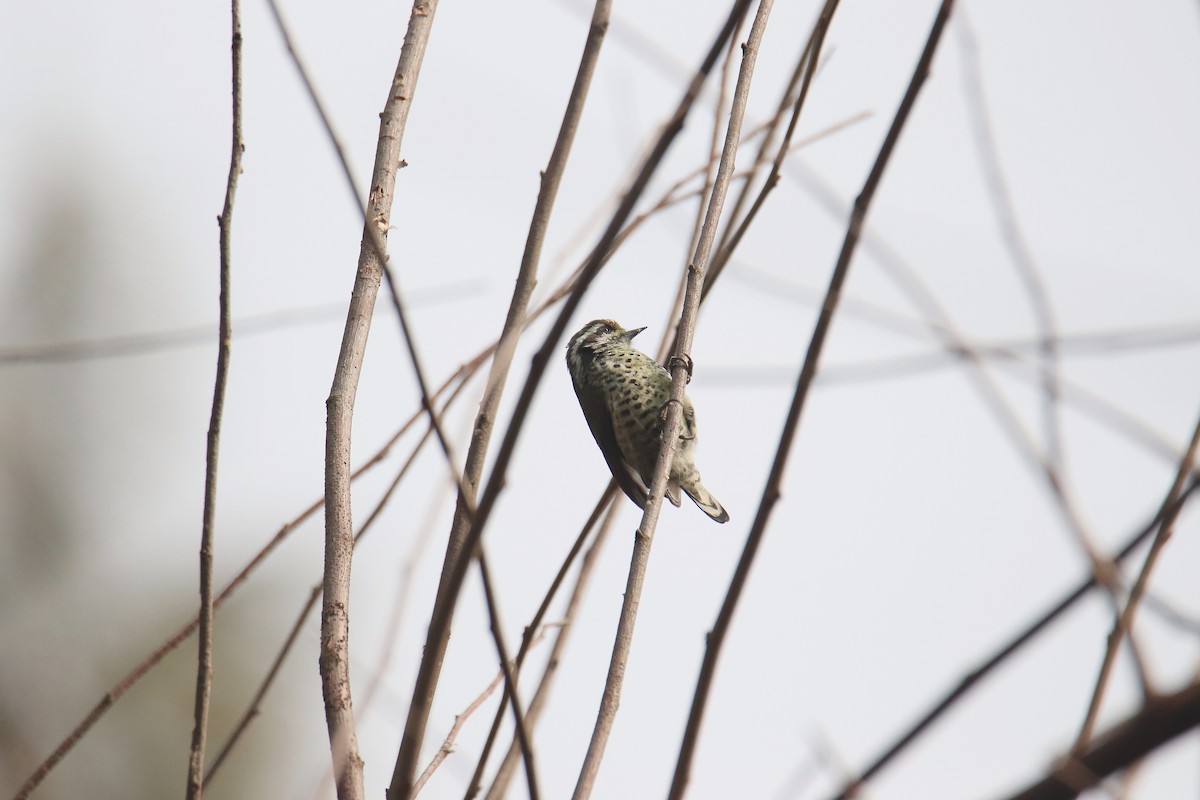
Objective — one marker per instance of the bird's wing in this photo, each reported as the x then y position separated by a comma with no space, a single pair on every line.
599,419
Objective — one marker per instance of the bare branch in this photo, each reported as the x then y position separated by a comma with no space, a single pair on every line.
204,665
803,385
448,745
339,536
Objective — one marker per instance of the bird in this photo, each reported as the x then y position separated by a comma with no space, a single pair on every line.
623,393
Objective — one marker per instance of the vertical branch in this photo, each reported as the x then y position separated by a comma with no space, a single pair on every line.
438,638
803,384
339,534
404,773
680,365
204,667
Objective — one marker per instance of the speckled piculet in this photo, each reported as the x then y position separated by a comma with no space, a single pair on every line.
623,393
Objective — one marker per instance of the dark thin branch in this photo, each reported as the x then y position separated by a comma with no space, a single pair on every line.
204,666
404,773
1159,721
985,668
803,384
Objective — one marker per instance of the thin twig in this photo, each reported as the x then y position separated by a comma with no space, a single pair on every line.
404,583
1124,624
447,747
803,385
403,775
680,370
437,639
204,666
339,535
988,665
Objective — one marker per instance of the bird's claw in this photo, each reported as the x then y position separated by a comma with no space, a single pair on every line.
684,361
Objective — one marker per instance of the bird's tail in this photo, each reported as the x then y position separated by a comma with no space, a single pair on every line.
707,503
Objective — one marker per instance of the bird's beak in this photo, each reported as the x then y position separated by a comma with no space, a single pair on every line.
630,334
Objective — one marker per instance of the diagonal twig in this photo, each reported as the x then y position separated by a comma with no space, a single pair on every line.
1123,626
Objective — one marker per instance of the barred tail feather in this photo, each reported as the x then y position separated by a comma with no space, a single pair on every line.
707,503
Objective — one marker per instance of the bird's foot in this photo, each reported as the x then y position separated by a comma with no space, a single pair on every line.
684,361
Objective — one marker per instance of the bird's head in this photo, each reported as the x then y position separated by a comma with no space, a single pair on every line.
597,336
